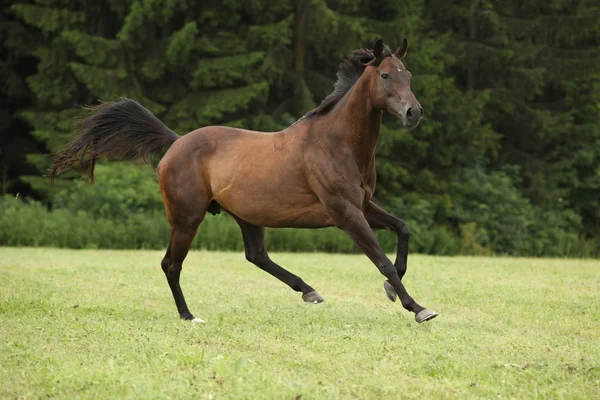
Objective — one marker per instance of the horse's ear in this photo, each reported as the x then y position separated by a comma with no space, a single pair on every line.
401,52
378,49
377,52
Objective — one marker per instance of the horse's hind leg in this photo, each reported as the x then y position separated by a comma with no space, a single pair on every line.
256,253
186,202
179,246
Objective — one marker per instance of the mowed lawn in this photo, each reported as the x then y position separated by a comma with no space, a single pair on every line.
102,324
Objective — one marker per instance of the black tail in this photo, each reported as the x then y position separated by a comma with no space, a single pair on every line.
121,130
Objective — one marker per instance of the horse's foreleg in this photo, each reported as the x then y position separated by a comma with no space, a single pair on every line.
378,218
354,223
256,253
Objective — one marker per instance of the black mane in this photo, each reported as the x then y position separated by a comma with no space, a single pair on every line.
348,73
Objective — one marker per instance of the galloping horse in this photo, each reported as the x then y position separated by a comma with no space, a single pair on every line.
318,172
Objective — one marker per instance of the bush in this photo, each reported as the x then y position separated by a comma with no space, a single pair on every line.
124,210
120,190
30,223
425,236
493,214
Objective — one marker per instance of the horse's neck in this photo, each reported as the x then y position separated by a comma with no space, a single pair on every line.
361,122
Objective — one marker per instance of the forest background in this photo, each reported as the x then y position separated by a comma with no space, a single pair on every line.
507,160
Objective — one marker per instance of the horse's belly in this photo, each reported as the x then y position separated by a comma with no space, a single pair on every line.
279,211
261,179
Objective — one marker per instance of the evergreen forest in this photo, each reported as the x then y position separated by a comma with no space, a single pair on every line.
506,161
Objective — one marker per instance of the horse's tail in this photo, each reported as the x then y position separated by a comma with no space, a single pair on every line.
120,130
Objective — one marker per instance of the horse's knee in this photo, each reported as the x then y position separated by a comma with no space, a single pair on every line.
389,271
402,229
164,264
173,271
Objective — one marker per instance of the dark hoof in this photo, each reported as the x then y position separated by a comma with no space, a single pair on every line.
390,291
312,297
190,317
187,316
425,315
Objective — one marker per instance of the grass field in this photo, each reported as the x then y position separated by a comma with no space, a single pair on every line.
102,324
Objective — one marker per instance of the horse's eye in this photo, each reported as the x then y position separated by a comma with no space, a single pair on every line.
385,76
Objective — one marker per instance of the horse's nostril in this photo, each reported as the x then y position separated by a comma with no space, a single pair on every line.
422,111
409,113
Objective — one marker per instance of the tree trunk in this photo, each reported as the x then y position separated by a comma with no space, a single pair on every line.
302,100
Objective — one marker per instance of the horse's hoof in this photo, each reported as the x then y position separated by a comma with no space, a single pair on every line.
425,315
187,316
312,297
390,291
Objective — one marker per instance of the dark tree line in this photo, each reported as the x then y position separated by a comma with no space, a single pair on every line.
507,160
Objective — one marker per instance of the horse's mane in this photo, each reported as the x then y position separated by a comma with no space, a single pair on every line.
348,73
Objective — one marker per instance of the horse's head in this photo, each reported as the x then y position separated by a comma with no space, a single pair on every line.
390,88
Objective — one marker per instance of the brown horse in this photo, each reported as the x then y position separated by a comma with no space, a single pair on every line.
318,172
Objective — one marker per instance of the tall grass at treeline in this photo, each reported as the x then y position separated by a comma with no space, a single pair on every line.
124,210
31,223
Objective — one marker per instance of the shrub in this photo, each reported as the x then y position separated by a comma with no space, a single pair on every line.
492,213
123,210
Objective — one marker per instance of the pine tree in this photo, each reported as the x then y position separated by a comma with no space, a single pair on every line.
540,64
425,163
191,64
15,66
54,85
211,62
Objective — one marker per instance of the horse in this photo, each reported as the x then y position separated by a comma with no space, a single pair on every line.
318,172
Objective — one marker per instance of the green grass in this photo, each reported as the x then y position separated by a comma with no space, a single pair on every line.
102,324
